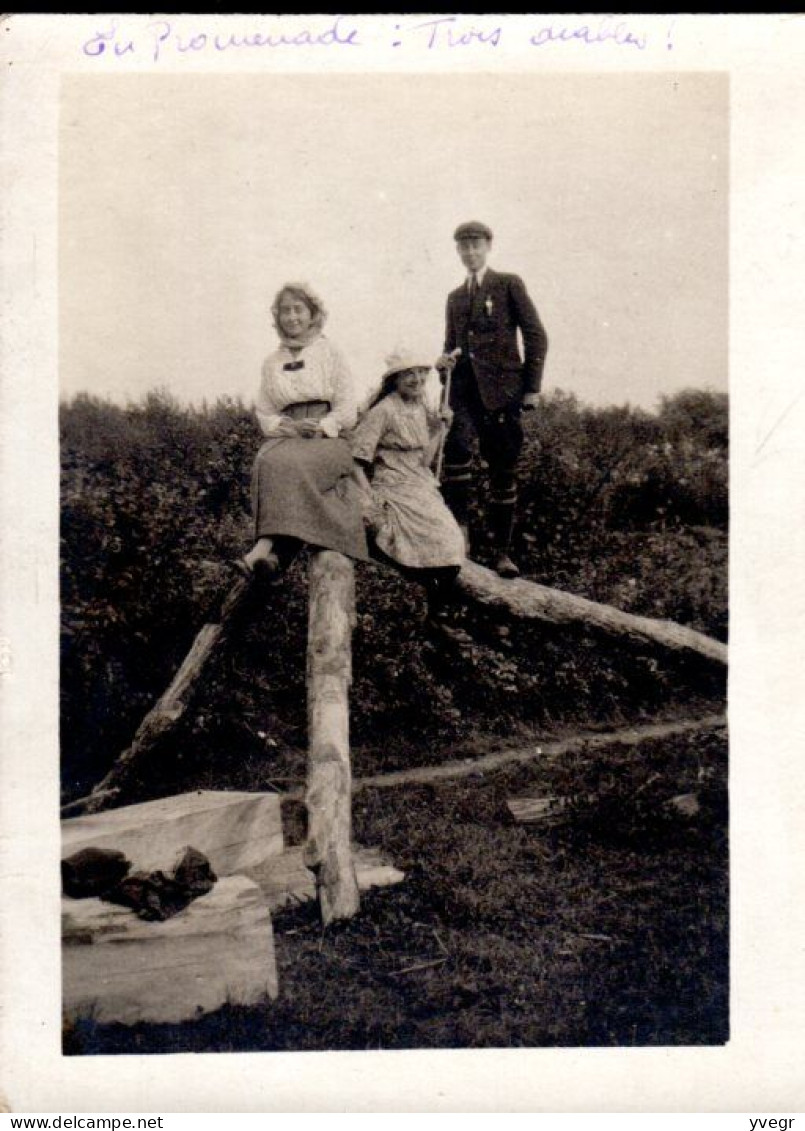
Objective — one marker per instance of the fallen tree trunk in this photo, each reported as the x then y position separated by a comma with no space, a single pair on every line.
526,600
328,852
169,709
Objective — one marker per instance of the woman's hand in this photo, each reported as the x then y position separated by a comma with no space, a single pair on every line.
287,427
304,428
371,510
374,516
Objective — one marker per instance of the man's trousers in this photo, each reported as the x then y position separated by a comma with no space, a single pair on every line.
500,439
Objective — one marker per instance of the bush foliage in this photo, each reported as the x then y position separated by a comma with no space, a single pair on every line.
618,505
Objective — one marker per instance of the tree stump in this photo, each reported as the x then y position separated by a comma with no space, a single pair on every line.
218,951
331,617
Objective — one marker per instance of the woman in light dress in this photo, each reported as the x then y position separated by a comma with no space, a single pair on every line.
302,473
394,445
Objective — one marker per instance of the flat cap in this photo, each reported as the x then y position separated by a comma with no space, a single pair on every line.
472,230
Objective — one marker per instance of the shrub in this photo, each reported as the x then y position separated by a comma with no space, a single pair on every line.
616,504
696,416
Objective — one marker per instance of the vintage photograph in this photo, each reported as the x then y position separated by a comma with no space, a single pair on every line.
393,437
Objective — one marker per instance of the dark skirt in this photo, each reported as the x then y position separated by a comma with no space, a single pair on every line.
304,489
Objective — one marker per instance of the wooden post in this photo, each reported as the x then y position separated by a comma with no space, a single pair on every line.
328,852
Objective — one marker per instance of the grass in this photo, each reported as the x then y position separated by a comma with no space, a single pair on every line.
605,926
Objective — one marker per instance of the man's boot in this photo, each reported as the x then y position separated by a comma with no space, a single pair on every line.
501,513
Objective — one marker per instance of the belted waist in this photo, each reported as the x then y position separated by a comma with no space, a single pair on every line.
307,410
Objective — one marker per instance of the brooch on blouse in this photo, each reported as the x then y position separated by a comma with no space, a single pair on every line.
291,366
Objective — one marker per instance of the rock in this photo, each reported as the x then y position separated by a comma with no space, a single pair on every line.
286,880
92,871
194,873
151,895
118,968
235,831
374,870
685,804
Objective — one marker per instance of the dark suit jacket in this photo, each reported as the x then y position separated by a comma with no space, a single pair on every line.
487,335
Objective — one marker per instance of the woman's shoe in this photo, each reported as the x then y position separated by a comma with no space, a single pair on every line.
446,633
264,569
438,626
267,568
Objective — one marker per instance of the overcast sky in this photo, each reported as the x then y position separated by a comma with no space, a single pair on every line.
186,201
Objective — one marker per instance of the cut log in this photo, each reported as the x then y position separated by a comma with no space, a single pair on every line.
286,880
528,810
328,852
235,831
169,709
219,950
526,600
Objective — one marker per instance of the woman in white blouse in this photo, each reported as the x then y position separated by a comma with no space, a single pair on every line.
301,476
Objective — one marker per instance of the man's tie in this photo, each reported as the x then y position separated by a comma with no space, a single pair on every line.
473,288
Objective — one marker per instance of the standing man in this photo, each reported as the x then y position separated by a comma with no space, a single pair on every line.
491,384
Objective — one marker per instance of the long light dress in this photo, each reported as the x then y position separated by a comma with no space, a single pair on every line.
302,488
413,525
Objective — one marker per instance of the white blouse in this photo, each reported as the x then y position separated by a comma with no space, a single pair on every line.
323,376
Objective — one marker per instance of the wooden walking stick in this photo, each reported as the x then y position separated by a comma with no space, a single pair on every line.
445,403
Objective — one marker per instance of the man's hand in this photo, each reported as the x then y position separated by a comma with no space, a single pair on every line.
447,361
530,402
446,415
308,428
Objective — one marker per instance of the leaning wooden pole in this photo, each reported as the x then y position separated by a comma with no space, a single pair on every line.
328,797
169,709
526,600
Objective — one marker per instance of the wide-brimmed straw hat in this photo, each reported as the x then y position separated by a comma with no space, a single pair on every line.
405,358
